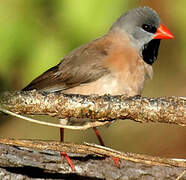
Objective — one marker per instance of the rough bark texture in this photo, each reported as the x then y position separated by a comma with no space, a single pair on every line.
26,159
23,159
99,108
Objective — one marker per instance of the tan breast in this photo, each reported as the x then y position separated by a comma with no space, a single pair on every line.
128,71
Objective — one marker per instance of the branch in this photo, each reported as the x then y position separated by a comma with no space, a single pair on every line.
24,157
100,109
41,156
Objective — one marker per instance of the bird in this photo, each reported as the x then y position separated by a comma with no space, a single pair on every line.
118,63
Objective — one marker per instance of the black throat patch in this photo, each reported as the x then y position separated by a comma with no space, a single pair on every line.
150,51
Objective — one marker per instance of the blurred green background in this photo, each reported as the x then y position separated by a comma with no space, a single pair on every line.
36,34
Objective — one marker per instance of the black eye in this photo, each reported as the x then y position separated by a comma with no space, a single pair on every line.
149,28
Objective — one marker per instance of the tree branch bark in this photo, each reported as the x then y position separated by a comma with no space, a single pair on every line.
98,108
39,159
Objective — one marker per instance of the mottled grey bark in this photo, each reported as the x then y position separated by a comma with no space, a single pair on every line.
41,159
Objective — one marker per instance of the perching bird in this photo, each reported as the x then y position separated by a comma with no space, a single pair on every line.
117,63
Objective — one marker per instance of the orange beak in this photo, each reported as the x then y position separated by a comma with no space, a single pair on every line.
163,33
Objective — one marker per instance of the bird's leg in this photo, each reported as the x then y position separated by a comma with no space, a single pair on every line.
116,160
64,154
98,136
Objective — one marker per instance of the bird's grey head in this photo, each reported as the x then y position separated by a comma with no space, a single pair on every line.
141,24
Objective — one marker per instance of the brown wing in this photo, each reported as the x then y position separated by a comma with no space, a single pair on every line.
83,65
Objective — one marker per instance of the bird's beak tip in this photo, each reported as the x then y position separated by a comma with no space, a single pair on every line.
163,33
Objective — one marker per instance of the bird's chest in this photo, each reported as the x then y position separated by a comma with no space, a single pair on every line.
128,74
128,81
125,79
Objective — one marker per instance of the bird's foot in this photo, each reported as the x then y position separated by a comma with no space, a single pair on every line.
64,155
116,161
